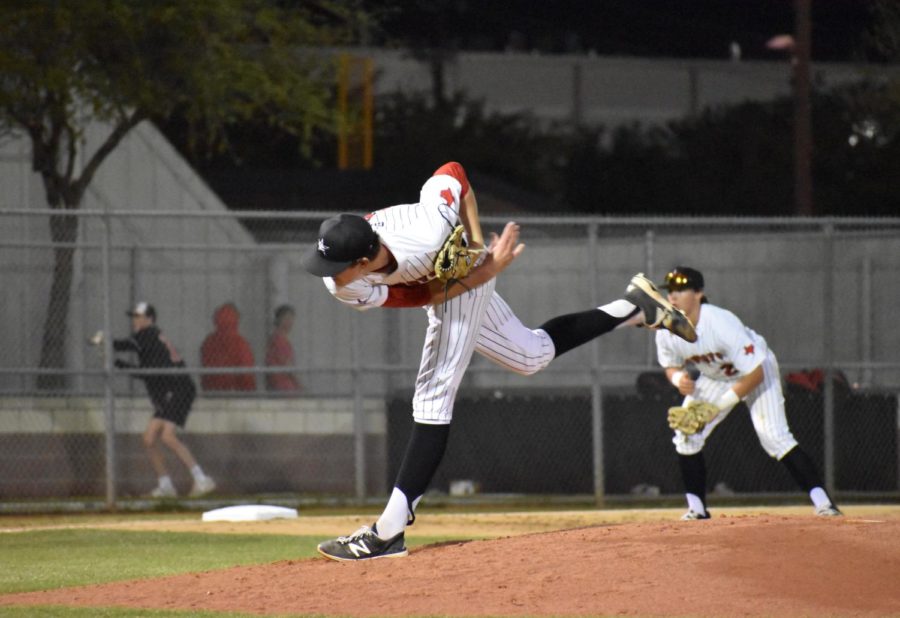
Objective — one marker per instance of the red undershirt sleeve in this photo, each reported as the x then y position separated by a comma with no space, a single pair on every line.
456,170
400,296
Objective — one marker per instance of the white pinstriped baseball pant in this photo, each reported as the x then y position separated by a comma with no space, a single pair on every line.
478,320
766,403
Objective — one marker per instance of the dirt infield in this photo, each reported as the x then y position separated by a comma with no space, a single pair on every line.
735,564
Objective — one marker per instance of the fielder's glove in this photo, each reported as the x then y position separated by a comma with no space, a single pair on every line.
455,259
693,417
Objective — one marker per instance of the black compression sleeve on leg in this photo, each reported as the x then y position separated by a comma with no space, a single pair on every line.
693,473
424,452
802,469
571,330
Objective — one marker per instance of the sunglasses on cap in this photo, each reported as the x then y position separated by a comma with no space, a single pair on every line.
683,278
676,281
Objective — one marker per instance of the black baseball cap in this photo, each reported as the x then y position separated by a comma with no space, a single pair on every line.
143,309
342,240
683,278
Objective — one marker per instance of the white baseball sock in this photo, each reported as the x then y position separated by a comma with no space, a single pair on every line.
622,308
819,497
696,504
393,520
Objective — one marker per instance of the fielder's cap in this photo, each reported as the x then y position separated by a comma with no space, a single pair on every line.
144,309
342,240
683,278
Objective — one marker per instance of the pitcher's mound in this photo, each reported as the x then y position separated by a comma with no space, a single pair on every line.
746,565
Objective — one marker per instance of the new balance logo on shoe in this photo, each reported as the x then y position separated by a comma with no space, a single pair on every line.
358,548
364,544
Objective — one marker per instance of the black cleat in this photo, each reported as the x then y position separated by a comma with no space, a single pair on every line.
363,544
658,312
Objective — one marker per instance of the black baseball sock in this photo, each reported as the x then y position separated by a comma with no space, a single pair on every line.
802,469
693,474
571,330
424,452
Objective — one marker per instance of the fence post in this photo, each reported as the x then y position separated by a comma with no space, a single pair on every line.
866,321
577,96
109,411
596,389
649,265
828,353
359,417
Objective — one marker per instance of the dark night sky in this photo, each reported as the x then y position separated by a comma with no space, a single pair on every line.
673,28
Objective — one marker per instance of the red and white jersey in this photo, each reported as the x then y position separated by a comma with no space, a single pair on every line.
725,349
414,233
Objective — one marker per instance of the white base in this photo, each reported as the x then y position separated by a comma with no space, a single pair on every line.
250,512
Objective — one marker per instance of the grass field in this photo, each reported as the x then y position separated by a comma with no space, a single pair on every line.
44,553
56,552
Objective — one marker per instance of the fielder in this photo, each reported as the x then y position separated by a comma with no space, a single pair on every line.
389,259
735,364
171,395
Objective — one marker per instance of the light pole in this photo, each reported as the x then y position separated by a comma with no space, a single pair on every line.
798,46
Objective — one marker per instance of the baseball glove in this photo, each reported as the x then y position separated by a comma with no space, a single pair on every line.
693,417
455,259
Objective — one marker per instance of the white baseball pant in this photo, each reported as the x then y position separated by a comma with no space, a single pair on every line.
476,320
766,403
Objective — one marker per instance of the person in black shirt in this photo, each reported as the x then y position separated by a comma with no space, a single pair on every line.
172,396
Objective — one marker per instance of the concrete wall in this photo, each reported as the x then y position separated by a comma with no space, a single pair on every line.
604,90
55,447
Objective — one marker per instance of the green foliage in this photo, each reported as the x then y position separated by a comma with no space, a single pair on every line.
71,62
738,160
626,173
884,34
857,151
417,136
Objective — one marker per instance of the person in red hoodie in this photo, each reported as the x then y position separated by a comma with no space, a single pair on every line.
280,352
226,347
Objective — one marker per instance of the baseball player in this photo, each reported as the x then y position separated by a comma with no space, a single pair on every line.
386,259
735,364
171,395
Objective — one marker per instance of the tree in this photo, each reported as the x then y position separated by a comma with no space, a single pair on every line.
65,64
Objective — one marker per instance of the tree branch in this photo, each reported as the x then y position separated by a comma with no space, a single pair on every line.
109,144
72,152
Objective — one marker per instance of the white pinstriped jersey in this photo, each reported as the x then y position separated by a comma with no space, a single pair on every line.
476,320
725,349
414,233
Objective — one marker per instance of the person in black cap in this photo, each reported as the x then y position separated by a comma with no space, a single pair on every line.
727,364
172,397
386,259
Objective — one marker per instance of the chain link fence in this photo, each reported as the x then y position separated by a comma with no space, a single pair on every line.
333,424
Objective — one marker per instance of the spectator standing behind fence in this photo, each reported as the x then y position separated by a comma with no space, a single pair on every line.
280,352
171,395
226,347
